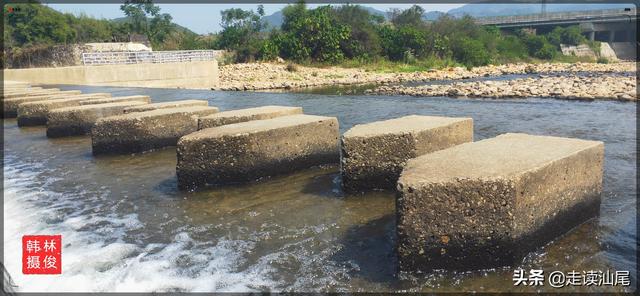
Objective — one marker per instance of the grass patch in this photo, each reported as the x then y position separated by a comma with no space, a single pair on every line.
386,66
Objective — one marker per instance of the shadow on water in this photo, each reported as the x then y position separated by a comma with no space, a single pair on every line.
371,246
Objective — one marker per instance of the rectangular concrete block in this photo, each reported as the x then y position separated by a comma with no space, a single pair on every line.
251,150
147,130
242,115
136,98
489,203
29,92
10,106
35,113
78,120
374,154
164,105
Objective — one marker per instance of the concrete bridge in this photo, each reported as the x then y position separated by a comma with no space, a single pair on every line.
609,25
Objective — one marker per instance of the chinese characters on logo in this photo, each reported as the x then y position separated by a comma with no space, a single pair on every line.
41,254
559,279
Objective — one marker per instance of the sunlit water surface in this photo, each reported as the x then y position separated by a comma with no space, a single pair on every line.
126,227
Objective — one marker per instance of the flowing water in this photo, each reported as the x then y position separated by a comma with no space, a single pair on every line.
126,227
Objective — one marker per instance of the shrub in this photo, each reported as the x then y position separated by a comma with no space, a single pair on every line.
470,52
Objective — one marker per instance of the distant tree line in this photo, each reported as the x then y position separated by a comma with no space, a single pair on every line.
332,34
326,34
32,25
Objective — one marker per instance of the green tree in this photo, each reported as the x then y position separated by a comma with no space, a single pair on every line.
241,32
31,24
409,17
311,34
363,42
570,35
143,17
470,52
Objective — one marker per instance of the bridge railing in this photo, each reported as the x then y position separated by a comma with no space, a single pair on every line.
555,16
155,57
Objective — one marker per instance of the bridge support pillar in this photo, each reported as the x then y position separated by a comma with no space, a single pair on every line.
612,36
592,35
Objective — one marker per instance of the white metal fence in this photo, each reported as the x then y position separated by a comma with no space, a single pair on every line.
138,57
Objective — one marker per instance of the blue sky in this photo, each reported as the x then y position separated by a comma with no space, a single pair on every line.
205,18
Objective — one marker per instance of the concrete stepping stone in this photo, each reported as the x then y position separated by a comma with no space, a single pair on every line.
28,92
488,203
35,113
136,98
164,105
78,120
247,151
147,130
10,105
242,115
374,154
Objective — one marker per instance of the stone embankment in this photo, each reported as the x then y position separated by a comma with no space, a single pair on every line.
262,76
622,88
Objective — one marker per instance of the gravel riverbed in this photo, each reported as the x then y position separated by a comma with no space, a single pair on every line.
264,76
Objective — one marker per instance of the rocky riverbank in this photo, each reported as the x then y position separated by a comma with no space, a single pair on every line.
263,76
612,87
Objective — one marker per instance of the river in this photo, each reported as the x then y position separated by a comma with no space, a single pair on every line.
126,227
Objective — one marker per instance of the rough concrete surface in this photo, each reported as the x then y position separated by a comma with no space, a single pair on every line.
147,130
251,150
79,120
488,203
136,98
242,115
10,105
163,105
28,92
374,154
35,113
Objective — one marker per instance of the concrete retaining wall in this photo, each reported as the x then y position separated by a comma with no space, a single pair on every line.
488,203
72,121
374,154
187,75
247,151
242,115
148,130
35,113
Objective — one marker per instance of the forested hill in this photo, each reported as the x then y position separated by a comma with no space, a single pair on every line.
28,25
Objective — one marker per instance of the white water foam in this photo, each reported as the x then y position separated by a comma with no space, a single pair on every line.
100,261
